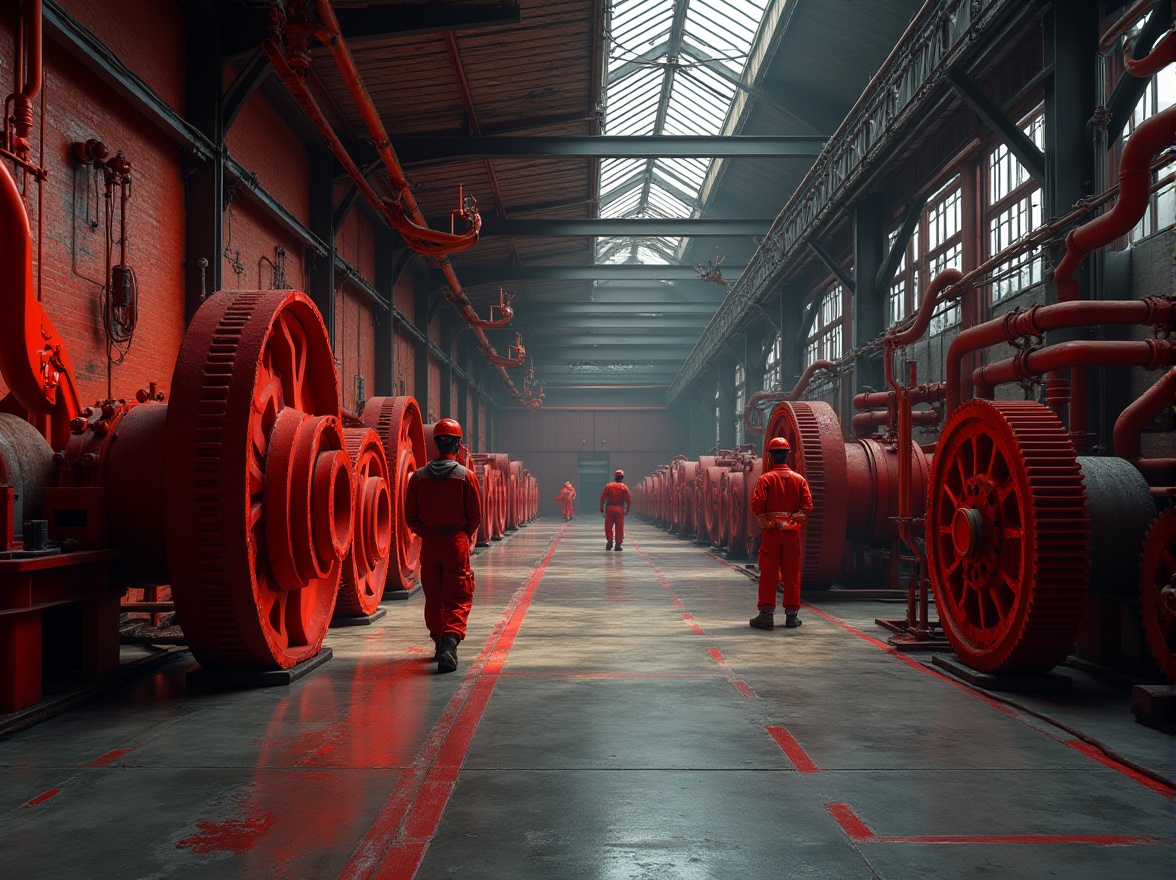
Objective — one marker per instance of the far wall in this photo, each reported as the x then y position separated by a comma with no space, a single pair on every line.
550,442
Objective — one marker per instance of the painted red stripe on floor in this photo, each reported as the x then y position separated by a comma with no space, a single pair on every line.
1097,754
387,852
610,675
698,629
110,757
849,822
794,750
717,655
41,798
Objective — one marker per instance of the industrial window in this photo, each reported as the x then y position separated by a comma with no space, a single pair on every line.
904,284
772,377
718,418
1014,210
740,402
674,67
824,341
943,245
1160,94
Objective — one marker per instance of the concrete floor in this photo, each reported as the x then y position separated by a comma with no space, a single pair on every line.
613,718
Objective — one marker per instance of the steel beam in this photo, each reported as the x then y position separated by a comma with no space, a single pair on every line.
1019,143
499,274
644,341
618,320
621,226
433,148
558,310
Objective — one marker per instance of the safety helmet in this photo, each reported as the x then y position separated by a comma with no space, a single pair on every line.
619,475
447,428
778,443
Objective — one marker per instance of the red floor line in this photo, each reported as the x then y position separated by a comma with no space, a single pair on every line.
853,826
698,629
110,757
1097,754
384,852
793,749
44,796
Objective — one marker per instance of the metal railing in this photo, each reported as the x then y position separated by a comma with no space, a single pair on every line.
892,104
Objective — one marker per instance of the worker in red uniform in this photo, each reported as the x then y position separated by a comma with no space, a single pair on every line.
781,502
614,504
442,505
566,498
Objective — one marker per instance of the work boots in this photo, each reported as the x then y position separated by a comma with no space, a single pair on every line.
608,546
447,654
791,620
618,548
764,620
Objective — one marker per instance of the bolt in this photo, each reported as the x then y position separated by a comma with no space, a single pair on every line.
90,459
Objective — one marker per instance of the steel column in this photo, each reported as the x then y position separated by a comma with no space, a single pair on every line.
869,300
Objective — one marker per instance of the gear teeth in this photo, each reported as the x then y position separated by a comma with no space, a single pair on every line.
1048,594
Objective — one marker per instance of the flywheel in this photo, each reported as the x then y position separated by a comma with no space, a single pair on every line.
366,566
397,421
1157,591
818,454
1008,536
258,481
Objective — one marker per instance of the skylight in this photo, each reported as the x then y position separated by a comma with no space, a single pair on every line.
673,69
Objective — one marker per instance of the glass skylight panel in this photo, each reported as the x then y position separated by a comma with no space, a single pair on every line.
652,93
614,172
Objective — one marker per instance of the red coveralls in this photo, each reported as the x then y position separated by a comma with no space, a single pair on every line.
567,500
778,494
442,505
614,504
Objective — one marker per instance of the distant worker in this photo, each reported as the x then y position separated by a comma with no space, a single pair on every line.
442,505
614,504
566,498
781,502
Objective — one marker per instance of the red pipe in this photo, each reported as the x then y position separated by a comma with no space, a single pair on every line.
863,422
1036,320
1129,426
1161,55
33,357
1150,138
923,394
801,386
945,279
333,39
1127,20
1148,353
27,73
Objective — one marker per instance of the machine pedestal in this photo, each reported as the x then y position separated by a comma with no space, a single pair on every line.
242,679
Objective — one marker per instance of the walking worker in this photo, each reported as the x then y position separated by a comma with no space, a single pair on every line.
781,502
442,505
566,497
614,504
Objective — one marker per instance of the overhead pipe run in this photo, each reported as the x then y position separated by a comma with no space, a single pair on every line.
404,211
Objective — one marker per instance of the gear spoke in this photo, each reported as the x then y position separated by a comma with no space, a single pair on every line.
1010,594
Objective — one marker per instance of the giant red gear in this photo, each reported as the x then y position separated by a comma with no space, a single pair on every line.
366,566
1157,591
1008,536
818,454
258,483
397,421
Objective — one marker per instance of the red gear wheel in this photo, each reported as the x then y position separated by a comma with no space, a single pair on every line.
1008,536
397,421
258,483
1157,591
366,566
818,454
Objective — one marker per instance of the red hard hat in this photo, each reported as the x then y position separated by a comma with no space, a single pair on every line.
618,474
778,443
447,428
